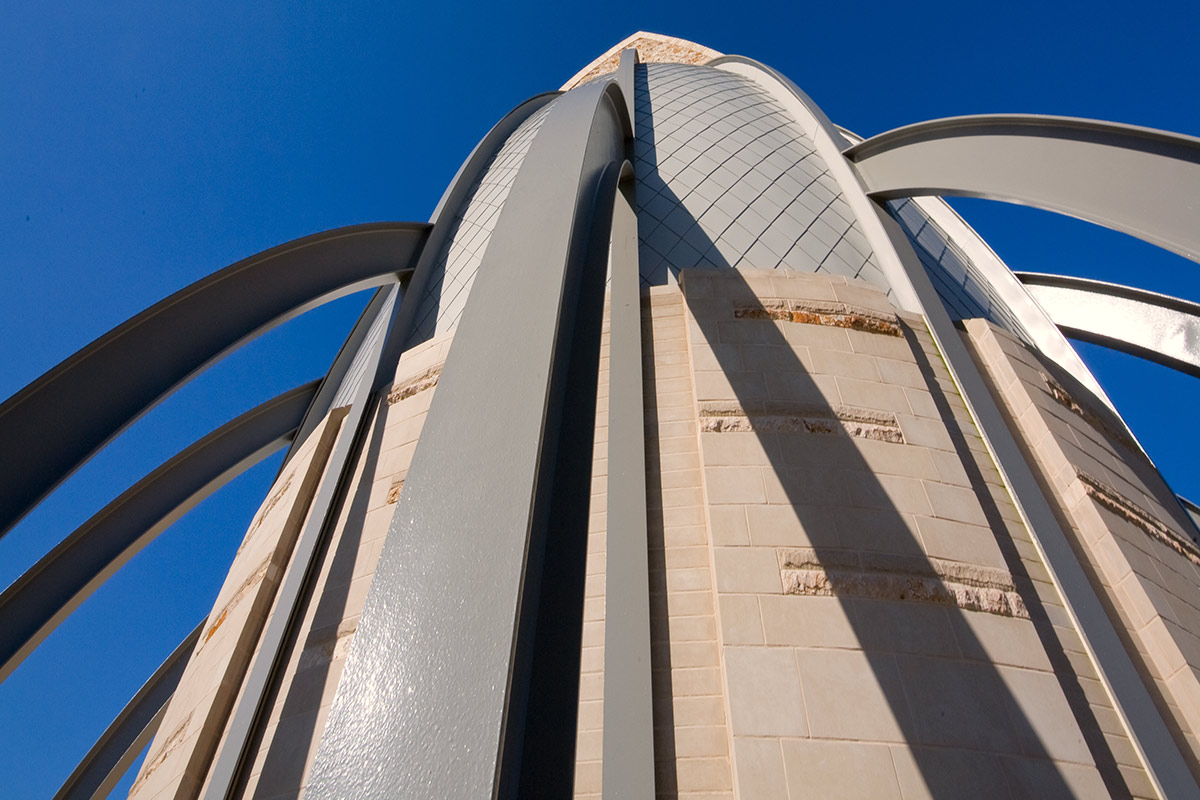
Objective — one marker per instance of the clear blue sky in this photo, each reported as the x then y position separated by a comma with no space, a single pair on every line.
144,145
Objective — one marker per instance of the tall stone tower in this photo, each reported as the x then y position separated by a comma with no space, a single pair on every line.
694,449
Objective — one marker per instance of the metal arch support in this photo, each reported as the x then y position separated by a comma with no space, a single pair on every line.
1140,181
443,226
433,698
829,142
37,602
119,745
1157,327
46,433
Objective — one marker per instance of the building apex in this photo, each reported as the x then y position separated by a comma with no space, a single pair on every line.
651,47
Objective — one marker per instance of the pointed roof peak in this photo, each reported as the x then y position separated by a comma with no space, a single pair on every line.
651,47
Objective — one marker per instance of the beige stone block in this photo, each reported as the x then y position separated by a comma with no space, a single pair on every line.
767,357
847,365
959,541
949,468
900,372
683,516
924,432
691,536
907,495
922,403
685,557
807,621
798,286
852,696
786,525
926,773
1052,730
903,627
679,498
701,741
698,711
690,604
881,346
838,769
888,458
678,461
873,395
696,682
697,775
1030,778
734,449
813,486
727,485
948,698
740,620
683,655
817,336
676,479
764,692
729,525
758,767
747,570
955,503
693,629
691,579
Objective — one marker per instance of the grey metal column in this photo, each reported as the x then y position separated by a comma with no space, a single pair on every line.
46,433
628,745
49,591
431,701
1147,730
132,730
1140,181
1157,327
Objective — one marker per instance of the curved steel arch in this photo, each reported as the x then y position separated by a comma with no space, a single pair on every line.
37,602
46,433
119,745
1140,181
1157,327
466,665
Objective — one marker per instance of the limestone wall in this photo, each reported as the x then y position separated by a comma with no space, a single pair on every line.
873,638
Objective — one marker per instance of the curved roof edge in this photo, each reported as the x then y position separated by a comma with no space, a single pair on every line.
651,47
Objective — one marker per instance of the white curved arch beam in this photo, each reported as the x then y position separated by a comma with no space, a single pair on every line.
1140,181
46,433
37,602
1156,327
114,752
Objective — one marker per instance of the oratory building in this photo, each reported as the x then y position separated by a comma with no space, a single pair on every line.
695,448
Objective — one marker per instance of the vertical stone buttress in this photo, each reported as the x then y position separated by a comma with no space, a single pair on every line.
1125,525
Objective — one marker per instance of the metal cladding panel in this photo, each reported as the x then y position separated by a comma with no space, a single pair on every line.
960,283
727,178
474,220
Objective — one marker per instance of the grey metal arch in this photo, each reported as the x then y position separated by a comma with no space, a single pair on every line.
441,220
1157,327
46,433
1140,181
433,697
119,745
37,602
